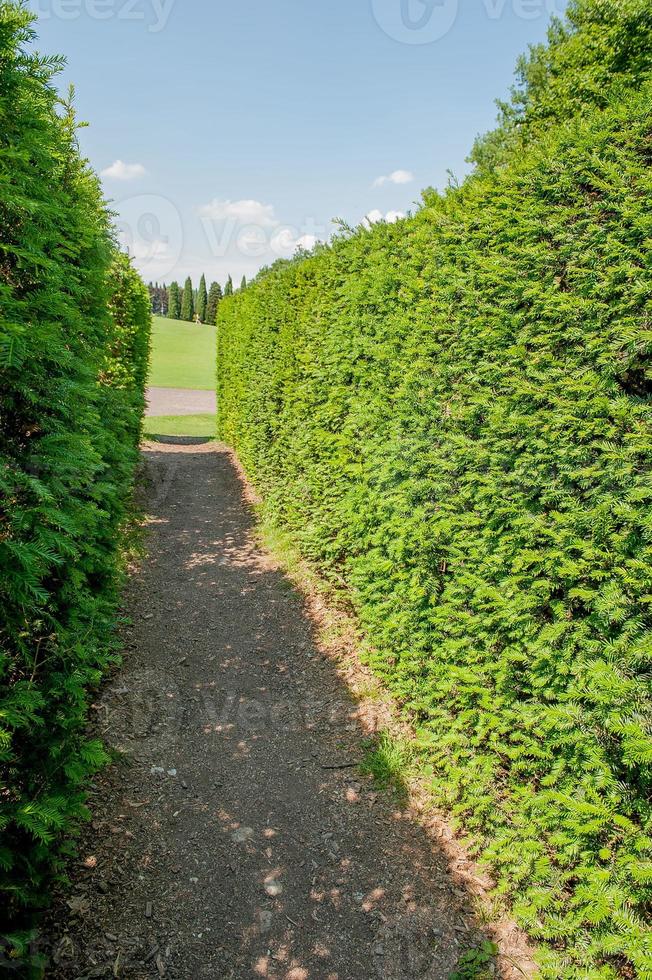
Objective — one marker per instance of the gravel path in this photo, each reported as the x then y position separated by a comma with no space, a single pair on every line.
236,838
180,401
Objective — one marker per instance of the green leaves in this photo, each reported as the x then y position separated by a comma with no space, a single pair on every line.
12,351
74,344
452,416
475,964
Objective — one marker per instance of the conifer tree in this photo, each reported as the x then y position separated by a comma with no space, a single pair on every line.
74,346
530,662
159,298
187,302
214,297
174,302
202,300
228,289
243,283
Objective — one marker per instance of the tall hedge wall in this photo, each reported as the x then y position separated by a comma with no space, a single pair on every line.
74,346
453,414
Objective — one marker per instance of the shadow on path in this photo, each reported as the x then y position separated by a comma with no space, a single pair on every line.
237,839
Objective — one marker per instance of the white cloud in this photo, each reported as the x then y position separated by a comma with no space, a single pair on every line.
124,171
244,212
373,217
286,242
397,177
306,241
153,251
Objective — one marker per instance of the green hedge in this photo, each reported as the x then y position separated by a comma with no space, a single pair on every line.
74,346
603,47
452,414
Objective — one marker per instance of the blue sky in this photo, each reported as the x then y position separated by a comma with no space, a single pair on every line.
227,132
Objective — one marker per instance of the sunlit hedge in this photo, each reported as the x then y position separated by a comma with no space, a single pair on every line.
74,343
452,413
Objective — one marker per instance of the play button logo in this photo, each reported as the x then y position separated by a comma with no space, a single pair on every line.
415,21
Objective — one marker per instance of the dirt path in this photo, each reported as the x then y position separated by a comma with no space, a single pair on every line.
180,401
236,839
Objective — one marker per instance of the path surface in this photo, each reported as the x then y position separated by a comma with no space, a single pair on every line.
226,844
180,401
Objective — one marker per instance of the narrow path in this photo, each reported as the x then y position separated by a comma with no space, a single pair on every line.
236,839
180,401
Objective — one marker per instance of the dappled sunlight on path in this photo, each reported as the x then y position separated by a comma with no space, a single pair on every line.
240,840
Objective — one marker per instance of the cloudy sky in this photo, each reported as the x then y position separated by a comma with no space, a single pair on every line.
228,133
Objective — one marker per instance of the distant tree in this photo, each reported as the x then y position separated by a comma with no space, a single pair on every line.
228,289
159,298
214,298
243,284
187,304
163,300
174,301
202,300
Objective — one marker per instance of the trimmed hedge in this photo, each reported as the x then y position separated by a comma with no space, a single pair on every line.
74,347
452,414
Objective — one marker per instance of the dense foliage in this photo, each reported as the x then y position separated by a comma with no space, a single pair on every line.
174,301
602,48
188,301
452,415
74,347
214,300
201,303
158,296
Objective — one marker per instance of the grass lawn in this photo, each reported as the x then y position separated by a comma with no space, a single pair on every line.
180,425
183,355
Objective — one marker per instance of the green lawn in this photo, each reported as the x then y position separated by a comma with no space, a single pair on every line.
183,355
180,425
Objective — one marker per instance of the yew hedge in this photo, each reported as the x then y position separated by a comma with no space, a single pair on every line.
74,346
452,415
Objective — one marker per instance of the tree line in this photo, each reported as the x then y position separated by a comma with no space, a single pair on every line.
194,305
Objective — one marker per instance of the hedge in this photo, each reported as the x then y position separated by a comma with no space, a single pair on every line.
74,347
452,415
